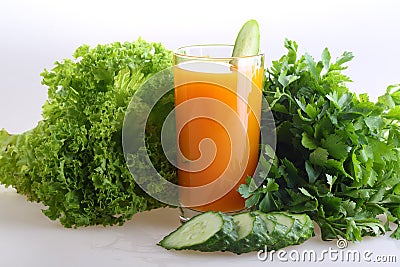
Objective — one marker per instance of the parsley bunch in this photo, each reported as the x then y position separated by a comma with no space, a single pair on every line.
337,155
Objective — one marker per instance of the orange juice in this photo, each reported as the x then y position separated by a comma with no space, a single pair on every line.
218,109
233,156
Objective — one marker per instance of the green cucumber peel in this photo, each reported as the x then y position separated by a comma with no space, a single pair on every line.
248,40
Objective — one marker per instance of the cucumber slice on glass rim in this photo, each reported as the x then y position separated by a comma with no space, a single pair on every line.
248,40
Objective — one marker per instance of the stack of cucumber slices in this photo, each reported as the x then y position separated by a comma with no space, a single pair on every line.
241,233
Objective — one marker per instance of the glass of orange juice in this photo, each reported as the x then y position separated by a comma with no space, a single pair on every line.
218,108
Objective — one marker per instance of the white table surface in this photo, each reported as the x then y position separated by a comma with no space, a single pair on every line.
36,33
28,238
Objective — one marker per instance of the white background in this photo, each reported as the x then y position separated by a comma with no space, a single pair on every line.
35,34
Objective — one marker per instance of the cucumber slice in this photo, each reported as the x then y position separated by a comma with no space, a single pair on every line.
209,231
301,230
248,40
276,232
252,232
292,228
302,218
306,225
286,229
283,219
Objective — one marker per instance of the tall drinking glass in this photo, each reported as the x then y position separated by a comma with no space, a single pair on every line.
218,108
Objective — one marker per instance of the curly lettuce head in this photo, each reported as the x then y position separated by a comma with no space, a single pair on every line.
73,161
